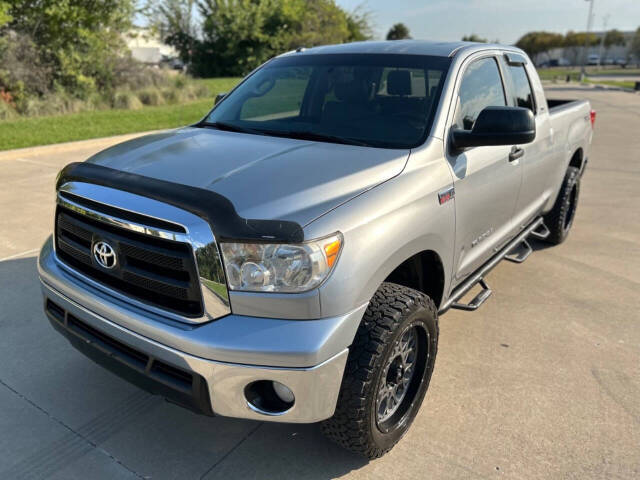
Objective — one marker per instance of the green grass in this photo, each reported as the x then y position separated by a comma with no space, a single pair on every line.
32,131
560,73
218,85
613,83
216,287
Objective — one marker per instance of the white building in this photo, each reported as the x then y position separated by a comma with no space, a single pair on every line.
573,55
146,47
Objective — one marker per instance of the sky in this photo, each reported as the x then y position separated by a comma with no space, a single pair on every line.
503,20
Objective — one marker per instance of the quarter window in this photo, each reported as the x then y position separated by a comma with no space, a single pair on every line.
481,87
523,95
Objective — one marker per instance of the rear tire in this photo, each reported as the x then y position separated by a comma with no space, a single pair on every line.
560,219
387,373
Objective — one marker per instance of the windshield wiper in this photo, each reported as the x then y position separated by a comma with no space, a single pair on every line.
299,135
306,135
229,127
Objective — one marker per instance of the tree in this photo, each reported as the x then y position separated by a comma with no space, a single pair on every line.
612,38
474,38
80,40
537,43
574,43
4,14
236,36
399,31
174,21
359,25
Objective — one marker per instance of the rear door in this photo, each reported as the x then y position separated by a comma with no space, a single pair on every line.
486,182
539,162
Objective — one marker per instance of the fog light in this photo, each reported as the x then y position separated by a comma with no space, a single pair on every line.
283,392
268,397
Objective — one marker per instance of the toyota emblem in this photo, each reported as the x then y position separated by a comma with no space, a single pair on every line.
104,254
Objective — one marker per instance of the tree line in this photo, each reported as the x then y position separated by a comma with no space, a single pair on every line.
60,56
232,37
539,43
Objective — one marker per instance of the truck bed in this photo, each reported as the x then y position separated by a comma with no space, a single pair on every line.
557,103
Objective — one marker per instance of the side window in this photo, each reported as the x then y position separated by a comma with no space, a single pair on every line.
481,87
523,95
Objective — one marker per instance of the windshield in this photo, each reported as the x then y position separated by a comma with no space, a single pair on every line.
379,100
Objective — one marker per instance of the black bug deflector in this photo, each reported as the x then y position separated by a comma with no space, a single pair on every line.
216,209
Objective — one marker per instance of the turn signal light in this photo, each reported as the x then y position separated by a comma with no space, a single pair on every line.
331,250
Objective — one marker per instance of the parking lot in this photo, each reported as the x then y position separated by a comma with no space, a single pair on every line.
542,382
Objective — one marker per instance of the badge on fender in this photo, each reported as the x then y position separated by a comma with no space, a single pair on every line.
446,195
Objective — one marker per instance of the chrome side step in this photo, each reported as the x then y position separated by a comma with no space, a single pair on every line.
541,231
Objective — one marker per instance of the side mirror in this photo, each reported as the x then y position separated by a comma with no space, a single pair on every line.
497,126
219,97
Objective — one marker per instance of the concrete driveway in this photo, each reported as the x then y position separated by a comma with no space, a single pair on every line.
542,382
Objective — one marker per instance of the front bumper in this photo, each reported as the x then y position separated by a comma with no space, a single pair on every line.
206,367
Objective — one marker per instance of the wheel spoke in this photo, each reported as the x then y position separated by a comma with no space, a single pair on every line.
397,374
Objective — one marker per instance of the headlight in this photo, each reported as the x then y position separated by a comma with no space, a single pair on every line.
274,267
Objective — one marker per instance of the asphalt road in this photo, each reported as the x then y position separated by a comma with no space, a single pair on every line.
542,382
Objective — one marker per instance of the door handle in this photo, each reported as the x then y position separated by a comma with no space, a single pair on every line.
516,153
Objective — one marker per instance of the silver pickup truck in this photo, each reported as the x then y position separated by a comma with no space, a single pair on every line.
286,258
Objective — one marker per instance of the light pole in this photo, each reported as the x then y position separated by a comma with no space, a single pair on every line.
605,21
586,41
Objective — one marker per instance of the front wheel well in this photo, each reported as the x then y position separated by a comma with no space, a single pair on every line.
423,272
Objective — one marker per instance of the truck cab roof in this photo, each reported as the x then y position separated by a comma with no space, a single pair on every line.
401,47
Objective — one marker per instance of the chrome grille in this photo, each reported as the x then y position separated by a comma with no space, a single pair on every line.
156,271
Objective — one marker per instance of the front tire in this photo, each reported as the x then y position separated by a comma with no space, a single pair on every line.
387,373
560,219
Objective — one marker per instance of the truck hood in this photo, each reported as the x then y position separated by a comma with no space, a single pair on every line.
264,177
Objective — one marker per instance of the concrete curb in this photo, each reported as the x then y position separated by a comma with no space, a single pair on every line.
99,143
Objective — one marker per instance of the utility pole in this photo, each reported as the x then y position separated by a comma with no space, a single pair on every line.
605,21
586,41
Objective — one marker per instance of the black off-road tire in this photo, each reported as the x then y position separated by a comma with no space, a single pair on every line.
560,219
392,311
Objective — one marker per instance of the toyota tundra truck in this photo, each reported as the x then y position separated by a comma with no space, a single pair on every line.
286,258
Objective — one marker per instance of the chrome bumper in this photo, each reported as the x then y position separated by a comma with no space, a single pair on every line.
308,356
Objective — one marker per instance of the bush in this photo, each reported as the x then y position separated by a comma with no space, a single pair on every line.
7,112
180,81
173,95
53,104
151,96
133,75
202,91
23,73
194,91
126,100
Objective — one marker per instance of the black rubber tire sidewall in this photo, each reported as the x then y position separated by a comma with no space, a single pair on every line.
566,204
386,440
353,425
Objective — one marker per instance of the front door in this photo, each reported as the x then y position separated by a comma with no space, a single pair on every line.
486,181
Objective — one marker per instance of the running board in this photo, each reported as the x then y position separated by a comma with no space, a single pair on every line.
520,252
541,232
477,300
478,276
